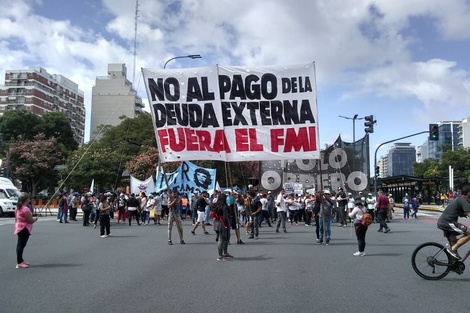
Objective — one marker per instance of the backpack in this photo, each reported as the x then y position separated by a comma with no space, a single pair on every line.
366,219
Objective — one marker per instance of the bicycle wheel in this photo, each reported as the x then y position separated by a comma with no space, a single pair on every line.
431,261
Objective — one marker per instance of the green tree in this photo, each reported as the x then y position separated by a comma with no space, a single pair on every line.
131,137
55,124
16,124
459,159
427,168
33,160
91,162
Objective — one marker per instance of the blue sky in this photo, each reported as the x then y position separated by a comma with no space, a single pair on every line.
405,62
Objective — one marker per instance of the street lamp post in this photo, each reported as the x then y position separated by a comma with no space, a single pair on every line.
189,56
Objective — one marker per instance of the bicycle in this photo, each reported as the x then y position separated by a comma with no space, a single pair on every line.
431,261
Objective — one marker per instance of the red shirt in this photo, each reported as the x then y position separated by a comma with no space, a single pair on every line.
382,202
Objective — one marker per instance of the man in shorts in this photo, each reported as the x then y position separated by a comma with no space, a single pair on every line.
459,207
201,203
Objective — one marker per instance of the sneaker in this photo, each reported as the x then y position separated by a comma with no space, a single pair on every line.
327,242
256,237
251,237
319,241
240,242
169,242
109,235
206,233
220,258
380,231
228,255
94,226
22,265
277,230
358,253
285,231
24,262
453,253
182,242
387,230
103,236
345,225
193,232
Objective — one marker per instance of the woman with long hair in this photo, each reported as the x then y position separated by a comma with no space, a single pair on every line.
23,228
105,211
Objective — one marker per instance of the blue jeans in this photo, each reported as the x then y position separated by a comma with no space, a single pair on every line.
327,227
264,215
255,226
281,220
406,213
146,216
63,213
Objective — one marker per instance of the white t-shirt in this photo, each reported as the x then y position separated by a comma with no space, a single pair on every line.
264,204
281,203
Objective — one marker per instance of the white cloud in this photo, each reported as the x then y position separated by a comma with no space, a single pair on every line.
360,47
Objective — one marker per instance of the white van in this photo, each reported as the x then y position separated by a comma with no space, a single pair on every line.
8,196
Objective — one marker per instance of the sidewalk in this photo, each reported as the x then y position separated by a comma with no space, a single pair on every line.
425,207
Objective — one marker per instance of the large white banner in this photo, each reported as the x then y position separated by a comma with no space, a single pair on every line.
138,186
234,113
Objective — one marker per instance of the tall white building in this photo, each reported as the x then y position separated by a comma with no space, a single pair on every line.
113,96
464,133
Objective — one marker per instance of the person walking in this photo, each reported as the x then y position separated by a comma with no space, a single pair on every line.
325,217
414,206
63,208
281,211
361,230
382,208
23,228
255,209
87,206
222,226
132,206
201,203
342,202
105,223
174,216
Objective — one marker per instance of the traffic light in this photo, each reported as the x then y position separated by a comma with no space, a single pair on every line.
433,132
2,172
377,171
369,124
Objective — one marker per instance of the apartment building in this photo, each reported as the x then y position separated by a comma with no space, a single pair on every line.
39,92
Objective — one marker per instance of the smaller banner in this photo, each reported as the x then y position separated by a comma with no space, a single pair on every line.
188,179
138,186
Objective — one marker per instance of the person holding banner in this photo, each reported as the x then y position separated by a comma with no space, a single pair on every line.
174,216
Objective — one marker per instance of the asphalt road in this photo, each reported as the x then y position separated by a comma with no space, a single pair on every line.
74,270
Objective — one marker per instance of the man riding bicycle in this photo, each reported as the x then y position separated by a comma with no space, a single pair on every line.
459,207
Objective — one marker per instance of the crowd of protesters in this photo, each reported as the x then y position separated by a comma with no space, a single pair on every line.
251,211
